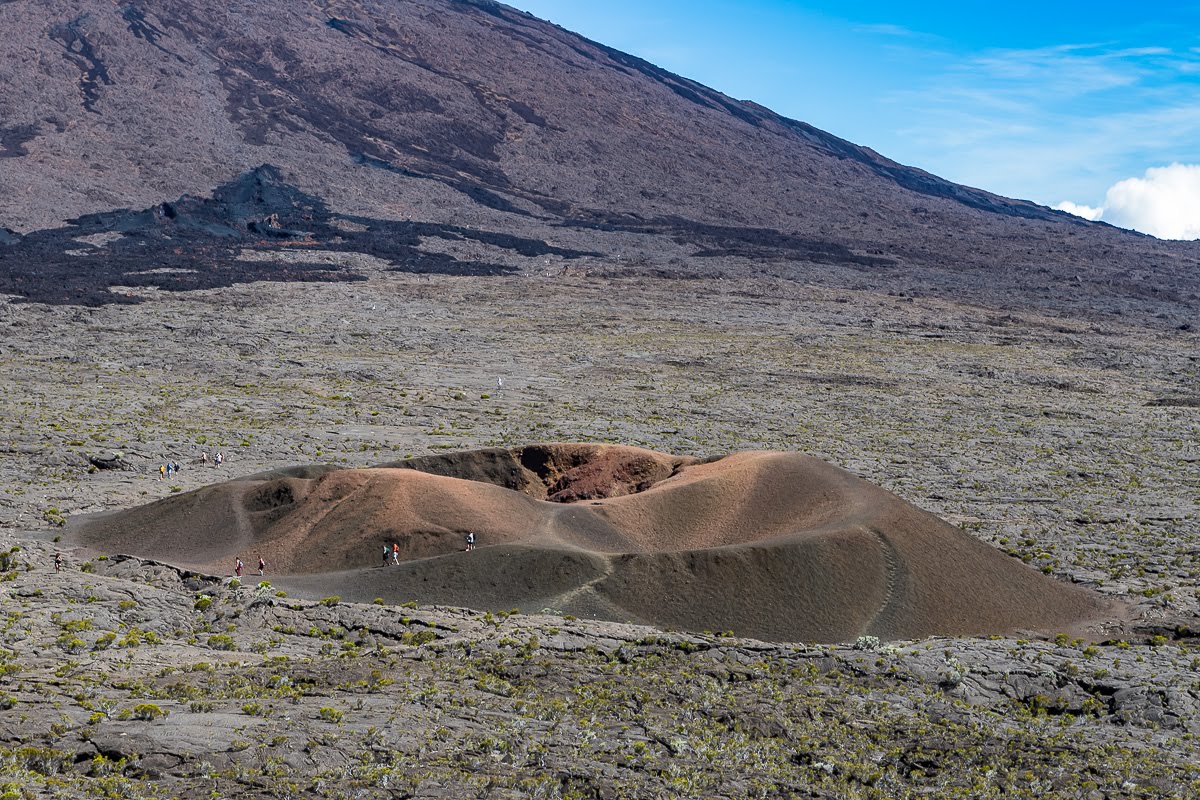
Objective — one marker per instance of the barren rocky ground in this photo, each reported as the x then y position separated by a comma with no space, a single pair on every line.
505,234
1068,442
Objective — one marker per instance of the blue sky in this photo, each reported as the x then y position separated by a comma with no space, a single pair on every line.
1048,101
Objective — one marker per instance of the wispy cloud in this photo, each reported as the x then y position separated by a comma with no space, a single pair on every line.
888,29
1056,121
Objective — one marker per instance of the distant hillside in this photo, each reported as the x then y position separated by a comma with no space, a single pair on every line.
470,113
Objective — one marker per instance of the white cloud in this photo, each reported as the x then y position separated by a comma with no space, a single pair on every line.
1164,203
1087,212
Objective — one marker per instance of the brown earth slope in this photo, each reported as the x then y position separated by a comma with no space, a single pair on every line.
472,114
772,545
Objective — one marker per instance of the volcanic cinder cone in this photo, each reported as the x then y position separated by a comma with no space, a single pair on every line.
773,545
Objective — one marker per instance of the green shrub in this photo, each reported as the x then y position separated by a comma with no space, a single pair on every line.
148,712
76,625
331,714
417,638
8,559
43,760
100,766
221,641
332,600
71,643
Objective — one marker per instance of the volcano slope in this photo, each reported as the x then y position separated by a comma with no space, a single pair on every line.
422,120
772,545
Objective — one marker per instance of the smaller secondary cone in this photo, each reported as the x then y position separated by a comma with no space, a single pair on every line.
777,546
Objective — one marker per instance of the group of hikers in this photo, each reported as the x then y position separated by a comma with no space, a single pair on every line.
172,467
239,568
391,555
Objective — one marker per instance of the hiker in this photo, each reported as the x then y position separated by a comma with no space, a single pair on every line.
220,459
396,553
177,466
262,565
385,554
170,468
470,541
238,567
58,562
162,471
204,457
